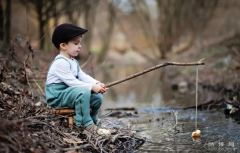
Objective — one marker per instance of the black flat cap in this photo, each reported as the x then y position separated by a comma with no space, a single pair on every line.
65,32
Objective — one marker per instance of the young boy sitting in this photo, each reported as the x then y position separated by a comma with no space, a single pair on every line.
67,85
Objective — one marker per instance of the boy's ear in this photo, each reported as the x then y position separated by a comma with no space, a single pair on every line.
63,46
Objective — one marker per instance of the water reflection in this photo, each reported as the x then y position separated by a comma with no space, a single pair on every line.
163,88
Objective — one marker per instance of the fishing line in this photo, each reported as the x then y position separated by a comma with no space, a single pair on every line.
196,97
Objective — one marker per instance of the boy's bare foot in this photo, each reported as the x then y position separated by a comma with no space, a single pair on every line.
95,130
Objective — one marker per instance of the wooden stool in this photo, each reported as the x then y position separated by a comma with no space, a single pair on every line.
67,111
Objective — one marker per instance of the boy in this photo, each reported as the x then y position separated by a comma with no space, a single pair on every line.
67,85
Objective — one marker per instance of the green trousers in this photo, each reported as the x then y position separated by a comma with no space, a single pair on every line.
60,95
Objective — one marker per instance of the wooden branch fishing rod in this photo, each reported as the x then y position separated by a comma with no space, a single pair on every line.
153,68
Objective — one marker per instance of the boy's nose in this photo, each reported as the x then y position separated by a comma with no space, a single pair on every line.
80,46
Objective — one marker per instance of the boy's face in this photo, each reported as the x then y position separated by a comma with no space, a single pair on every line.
73,47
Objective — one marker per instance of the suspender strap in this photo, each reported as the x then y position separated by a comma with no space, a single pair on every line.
57,59
78,67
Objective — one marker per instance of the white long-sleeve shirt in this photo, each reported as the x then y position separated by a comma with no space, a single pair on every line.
62,71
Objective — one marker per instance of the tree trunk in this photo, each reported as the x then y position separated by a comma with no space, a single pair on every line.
39,7
106,41
181,18
89,20
89,26
1,22
8,21
55,14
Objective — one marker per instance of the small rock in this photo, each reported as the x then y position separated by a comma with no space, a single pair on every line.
38,104
9,102
29,72
17,93
183,87
35,134
229,106
10,114
104,132
52,123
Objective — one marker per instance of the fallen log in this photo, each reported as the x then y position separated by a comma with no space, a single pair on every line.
200,105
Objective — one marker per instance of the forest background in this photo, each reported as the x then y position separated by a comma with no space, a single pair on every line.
126,37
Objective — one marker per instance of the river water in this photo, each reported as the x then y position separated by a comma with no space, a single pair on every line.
161,120
219,133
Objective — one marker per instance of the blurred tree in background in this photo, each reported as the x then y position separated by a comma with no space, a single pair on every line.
1,23
4,26
121,32
178,18
153,28
45,10
172,22
175,20
8,21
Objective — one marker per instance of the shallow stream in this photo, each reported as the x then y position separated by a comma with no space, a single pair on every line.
156,97
218,132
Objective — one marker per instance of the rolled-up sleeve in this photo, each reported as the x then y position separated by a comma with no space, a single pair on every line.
63,72
86,78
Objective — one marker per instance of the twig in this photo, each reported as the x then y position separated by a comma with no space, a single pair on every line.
7,138
85,63
29,118
39,87
229,102
176,119
29,39
77,147
236,52
24,64
30,51
105,115
3,64
21,103
202,104
154,68
43,36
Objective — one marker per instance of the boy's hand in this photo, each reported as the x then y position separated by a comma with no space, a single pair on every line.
101,84
96,88
104,88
